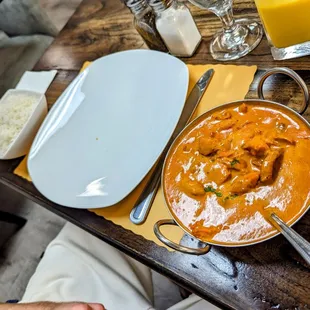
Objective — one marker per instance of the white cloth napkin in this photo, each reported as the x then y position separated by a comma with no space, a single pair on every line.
36,81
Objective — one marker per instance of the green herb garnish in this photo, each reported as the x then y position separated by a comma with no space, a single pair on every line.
210,189
235,161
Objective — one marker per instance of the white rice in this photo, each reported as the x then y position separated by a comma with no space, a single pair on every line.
15,111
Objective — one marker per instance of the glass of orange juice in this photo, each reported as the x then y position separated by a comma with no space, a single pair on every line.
287,26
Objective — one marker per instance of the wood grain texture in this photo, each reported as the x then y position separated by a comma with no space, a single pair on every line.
270,275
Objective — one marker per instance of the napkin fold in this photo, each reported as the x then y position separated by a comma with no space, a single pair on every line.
229,83
37,81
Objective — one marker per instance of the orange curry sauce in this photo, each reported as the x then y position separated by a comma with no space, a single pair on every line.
227,172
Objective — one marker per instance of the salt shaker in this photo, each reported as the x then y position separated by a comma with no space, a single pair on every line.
176,26
144,22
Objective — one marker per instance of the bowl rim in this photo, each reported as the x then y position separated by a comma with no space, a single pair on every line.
200,119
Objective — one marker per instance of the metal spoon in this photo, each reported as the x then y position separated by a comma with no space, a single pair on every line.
301,245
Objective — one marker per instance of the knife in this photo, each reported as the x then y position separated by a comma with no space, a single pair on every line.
142,206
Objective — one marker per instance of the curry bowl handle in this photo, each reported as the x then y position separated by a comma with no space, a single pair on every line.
176,246
291,73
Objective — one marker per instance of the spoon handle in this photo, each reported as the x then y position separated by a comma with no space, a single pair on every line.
301,245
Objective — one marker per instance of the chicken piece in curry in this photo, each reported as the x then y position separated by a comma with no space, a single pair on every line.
228,170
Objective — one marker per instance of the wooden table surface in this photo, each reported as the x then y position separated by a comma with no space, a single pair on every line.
270,275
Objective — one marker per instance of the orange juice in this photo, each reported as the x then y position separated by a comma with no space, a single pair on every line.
287,22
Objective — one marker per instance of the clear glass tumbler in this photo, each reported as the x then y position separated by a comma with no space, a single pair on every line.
287,27
237,38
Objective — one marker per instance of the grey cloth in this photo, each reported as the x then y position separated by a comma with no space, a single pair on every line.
24,17
25,33
19,54
59,11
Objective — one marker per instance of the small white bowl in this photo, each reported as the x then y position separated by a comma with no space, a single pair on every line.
22,142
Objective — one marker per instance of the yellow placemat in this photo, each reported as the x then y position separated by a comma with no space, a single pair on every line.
229,83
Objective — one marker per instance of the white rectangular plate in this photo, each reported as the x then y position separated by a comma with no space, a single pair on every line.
108,128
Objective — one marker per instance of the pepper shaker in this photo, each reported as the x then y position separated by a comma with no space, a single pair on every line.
176,26
144,22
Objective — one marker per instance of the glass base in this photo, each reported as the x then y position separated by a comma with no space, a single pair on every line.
230,45
294,51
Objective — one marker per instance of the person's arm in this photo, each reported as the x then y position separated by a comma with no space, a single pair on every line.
52,306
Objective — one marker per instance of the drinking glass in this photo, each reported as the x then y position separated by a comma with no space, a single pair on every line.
237,38
287,25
